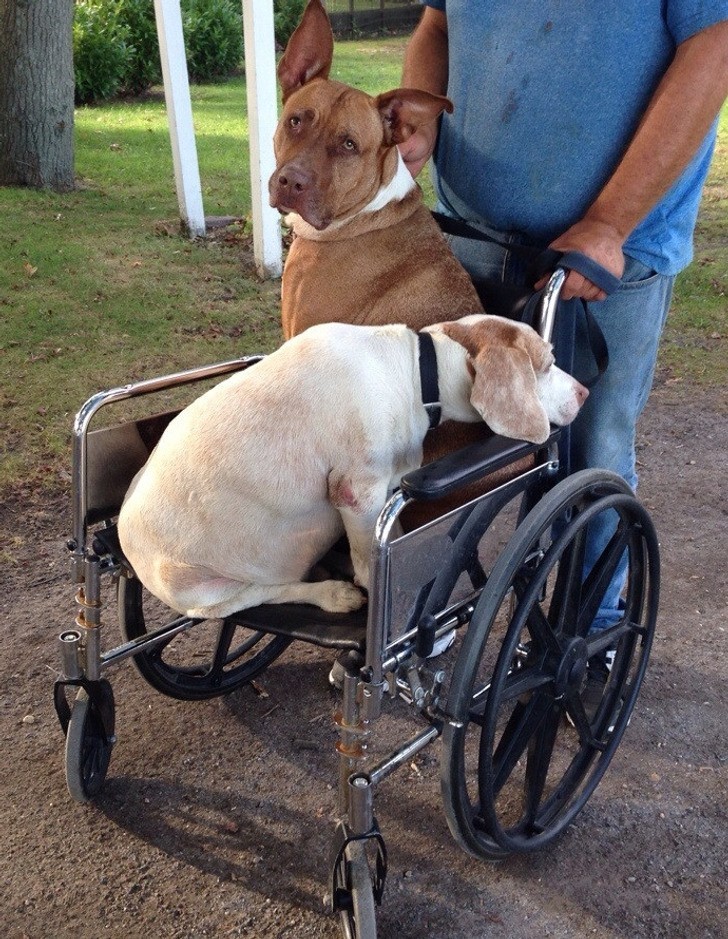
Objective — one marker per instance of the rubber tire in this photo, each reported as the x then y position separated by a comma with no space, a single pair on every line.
361,921
182,683
598,489
88,748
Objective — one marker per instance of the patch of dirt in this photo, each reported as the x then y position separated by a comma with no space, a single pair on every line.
216,817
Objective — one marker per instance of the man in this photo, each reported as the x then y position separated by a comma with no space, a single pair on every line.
588,128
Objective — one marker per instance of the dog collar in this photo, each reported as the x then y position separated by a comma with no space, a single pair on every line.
428,378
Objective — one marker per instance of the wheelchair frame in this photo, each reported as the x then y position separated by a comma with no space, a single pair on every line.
522,666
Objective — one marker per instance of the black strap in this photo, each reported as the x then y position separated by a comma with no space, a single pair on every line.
541,262
460,229
428,378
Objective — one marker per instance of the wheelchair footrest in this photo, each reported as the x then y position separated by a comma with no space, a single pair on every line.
308,624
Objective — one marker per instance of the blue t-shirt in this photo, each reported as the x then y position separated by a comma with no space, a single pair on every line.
547,95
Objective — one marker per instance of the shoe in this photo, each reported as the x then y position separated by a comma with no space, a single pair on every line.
441,645
597,675
348,660
336,675
338,669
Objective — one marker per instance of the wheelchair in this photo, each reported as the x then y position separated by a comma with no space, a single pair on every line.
505,573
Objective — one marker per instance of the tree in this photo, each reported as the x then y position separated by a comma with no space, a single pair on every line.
36,93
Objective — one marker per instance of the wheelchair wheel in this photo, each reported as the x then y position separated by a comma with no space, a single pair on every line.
89,742
211,658
528,739
359,919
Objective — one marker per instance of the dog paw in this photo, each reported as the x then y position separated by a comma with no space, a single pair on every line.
340,596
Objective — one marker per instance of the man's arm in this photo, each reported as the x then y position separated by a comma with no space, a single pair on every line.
426,68
677,119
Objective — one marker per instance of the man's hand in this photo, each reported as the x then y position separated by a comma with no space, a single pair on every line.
599,241
417,149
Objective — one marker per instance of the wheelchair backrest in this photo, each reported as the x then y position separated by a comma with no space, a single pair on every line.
114,457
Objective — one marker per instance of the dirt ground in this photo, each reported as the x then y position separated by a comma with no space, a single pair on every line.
216,817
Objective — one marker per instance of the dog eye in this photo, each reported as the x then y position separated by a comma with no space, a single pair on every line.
349,144
294,121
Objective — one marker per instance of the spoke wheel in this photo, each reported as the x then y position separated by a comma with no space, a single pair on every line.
211,658
529,740
477,536
359,919
89,742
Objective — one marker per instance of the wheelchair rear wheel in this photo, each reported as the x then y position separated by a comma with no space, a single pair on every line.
212,658
515,771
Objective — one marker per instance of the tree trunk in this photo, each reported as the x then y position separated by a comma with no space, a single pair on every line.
36,93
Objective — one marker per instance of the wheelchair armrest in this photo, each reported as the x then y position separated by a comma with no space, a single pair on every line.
468,465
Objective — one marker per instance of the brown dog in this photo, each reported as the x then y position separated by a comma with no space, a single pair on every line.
366,249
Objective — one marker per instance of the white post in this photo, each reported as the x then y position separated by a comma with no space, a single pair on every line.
179,114
260,76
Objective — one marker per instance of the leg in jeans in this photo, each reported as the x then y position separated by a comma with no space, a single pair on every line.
603,435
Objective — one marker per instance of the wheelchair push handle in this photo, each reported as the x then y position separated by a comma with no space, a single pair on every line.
550,259
561,262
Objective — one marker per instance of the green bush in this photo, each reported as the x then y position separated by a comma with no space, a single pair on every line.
213,33
115,43
101,51
287,15
144,67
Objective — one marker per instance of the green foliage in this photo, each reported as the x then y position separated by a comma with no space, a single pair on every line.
287,15
213,38
101,52
144,66
116,48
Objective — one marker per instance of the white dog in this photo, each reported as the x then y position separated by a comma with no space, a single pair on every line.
253,482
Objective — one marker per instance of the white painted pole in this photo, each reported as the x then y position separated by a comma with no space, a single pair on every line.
260,76
179,114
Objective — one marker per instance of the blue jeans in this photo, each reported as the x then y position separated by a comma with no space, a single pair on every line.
603,435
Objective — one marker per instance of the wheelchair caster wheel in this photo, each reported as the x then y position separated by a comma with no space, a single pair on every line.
209,659
357,914
89,741
515,771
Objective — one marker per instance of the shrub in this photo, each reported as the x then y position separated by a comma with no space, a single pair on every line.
213,32
115,43
100,51
144,66
287,15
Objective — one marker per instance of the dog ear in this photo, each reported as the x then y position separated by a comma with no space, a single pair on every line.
309,52
505,394
404,109
458,332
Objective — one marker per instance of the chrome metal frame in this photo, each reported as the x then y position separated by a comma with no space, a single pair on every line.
363,691
81,647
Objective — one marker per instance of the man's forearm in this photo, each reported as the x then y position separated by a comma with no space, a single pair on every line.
426,56
676,121
426,68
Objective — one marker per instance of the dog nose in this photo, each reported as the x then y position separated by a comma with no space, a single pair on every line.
293,180
582,393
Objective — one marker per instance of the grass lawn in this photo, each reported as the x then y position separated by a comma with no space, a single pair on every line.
98,288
